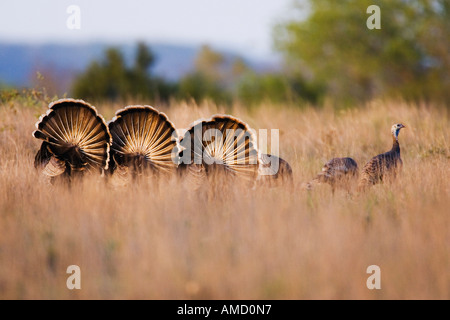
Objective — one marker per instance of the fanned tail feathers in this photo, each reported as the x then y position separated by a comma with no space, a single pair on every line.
220,145
143,138
73,134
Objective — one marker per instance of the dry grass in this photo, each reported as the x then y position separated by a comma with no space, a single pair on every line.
165,242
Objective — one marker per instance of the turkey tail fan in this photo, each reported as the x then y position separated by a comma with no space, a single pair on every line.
222,144
274,171
75,138
143,138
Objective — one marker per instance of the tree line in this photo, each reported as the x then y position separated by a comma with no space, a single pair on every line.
212,77
330,55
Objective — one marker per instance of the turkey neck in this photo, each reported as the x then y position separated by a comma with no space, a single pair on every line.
395,145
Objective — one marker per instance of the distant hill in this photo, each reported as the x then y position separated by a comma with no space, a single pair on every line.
20,62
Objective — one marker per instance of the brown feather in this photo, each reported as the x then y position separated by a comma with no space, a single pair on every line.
74,133
54,167
221,145
382,166
143,138
274,171
338,173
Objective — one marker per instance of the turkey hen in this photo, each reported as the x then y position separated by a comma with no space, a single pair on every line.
338,173
274,171
382,166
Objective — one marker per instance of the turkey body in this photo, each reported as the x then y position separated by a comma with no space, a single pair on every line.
143,143
75,139
222,148
274,171
338,173
383,166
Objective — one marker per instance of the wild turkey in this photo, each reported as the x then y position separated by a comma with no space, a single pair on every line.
220,147
143,141
274,171
75,138
338,173
383,165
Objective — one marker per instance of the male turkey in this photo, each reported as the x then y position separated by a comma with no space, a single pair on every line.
383,165
75,138
274,171
338,173
143,141
218,148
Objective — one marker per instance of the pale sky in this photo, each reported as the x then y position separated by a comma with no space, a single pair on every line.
243,25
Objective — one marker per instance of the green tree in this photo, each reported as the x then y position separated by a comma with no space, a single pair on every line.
140,82
276,88
208,80
333,47
239,68
209,63
199,87
144,58
111,78
105,79
254,88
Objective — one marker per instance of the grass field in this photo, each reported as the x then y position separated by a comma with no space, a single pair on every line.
164,241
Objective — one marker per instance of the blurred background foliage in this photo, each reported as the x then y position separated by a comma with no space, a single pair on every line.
112,79
329,55
408,57
213,77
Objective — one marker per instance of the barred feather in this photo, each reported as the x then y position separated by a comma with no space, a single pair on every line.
379,167
338,173
382,166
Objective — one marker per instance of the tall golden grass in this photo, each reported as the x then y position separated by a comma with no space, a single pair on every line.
163,241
